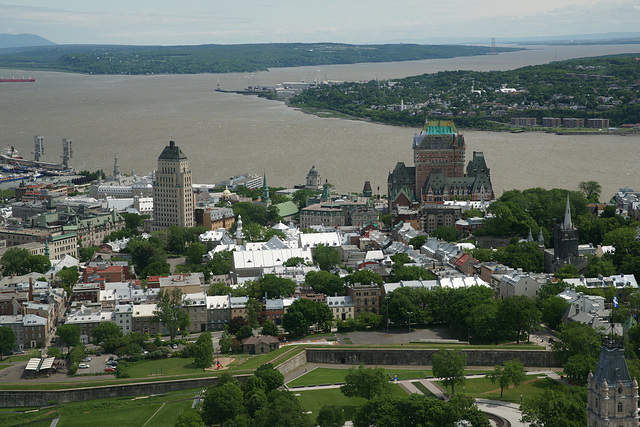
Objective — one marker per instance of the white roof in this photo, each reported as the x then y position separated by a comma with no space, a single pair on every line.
218,302
462,282
144,310
311,240
374,255
268,258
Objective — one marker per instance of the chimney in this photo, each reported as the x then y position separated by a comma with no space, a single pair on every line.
30,288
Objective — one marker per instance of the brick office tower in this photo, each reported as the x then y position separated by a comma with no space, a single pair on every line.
438,148
172,190
612,395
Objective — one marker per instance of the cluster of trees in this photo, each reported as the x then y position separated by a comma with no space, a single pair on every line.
468,311
7,340
305,313
257,402
450,91
383,409
213,58
17,261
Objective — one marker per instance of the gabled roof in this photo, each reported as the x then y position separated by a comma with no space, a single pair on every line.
258,339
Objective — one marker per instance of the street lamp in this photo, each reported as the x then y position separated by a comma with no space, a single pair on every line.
409,321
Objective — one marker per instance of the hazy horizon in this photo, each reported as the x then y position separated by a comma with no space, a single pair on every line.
197,22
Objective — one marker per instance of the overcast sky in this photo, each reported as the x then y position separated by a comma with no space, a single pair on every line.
173,22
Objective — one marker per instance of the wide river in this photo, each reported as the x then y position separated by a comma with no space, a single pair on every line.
133,117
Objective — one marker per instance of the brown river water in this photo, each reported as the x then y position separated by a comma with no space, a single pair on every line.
225,134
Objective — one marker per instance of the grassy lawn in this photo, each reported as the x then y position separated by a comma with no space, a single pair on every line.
314,400
163,367
483,388
123,411
423,389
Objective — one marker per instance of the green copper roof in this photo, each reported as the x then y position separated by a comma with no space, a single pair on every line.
440,130
287,209
172,152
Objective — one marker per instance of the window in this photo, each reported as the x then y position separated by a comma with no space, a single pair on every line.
619,406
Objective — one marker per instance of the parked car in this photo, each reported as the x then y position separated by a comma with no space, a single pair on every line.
86,359
98,353
113,363
111,357
83,366
110,369
174,346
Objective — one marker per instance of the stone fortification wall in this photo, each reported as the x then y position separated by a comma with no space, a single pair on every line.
23,398
529,358
292,364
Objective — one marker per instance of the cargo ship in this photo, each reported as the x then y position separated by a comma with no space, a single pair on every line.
14,80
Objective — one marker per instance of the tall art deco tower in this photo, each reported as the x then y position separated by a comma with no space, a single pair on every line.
173,200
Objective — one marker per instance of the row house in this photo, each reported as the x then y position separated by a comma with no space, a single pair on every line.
196,305
46,311
342,307
87,320
218,311
366,297
138,318
107,273
31,331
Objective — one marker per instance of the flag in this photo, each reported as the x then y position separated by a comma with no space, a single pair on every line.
615,301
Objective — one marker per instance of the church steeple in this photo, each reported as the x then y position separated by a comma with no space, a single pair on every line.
567,224
266,199
541,238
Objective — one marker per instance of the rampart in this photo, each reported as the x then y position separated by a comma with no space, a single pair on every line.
529,358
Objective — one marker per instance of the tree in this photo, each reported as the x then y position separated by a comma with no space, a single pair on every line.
326,257
552,310
576,338
366,383
105,330
330,416
270,328
271,376
283,410
203,357
276,287
170,312
235,324
218,288
252,308
19,261
189,418
244,332
364,277
591,190
68,277
69,335
195,252
304,313
226,341
449,234
512,372
562,406
222,403
7,340
449,365
324,282
519,316
294,261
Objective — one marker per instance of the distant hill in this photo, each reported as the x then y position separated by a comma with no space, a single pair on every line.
105,59
23,40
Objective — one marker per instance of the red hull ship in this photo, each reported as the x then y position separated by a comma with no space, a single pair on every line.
14,80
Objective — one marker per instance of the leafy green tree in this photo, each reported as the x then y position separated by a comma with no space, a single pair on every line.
331,416
68,277
203,357
304,313
252,309
218,288
105,330
195,252
19,261
400,258
54,352
562,406
366,383
409,272
552,310
364,277
449,234
189,418
222,403
512,373
251,213
324,282
519,316
294,261
170,312
418,241
449,365
225,342
578,366
272,378
568,271
244,332
69,335
326,257
276,287
7,340
220,263
283,410
270,328
576,338
236,323
591,190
